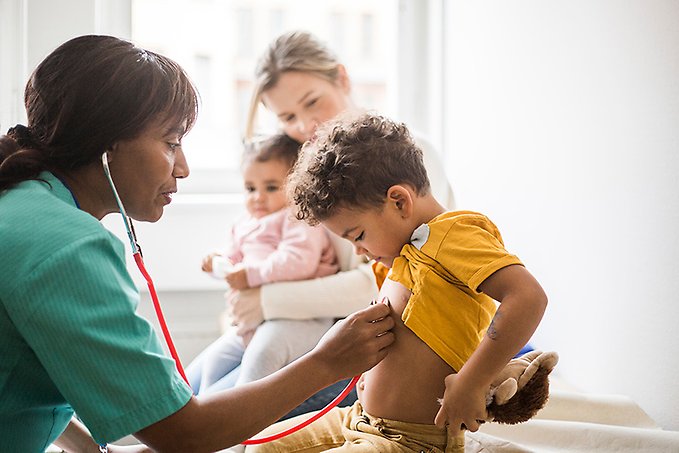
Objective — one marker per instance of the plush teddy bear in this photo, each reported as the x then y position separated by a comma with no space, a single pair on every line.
521,389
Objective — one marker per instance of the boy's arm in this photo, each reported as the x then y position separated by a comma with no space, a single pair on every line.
522,304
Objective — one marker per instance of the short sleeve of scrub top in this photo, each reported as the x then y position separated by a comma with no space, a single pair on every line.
75,310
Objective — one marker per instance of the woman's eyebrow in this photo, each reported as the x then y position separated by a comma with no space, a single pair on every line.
306,95
300,101
175,130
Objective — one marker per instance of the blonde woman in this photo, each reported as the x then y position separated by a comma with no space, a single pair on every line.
302,82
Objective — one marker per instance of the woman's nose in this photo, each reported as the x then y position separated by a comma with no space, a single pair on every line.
181,166
307,126
359,250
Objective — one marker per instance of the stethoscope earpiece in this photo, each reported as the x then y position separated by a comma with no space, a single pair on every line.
129,229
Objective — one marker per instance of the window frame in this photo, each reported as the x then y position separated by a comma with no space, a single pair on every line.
207,200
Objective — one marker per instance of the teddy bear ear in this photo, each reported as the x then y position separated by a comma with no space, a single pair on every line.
505,391
544,360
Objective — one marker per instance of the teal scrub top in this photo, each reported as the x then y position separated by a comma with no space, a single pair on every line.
70,339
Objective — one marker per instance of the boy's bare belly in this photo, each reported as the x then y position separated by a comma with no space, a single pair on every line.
406,384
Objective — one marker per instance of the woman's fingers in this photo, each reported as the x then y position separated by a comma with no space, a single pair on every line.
358,342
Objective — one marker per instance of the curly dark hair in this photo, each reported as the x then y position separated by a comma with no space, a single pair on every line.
352,162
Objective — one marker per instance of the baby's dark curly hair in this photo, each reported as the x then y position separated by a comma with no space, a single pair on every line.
351,163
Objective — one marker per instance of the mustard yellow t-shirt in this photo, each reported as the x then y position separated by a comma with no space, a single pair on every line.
443,265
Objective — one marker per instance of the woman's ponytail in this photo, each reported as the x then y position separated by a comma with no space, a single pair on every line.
20,157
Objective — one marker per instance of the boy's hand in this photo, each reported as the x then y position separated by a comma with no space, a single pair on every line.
461,405
238,279
206,265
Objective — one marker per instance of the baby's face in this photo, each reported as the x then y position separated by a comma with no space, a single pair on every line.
379,234
265,187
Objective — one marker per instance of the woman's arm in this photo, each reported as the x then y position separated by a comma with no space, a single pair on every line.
226,418
334,296
522,304
77,439
440,187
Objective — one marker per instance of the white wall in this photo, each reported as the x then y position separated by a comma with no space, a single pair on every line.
563,126
561,123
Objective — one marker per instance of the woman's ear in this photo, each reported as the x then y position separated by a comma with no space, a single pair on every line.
110,153
343,79
401,199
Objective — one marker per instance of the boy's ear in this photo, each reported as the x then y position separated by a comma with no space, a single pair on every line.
400,198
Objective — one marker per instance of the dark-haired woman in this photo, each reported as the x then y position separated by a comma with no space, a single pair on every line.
70,340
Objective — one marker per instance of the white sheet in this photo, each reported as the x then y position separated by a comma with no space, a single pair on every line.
578,422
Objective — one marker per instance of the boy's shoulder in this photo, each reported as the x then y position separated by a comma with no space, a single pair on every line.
458,226
453,217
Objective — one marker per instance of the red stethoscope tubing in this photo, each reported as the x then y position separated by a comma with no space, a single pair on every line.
173,351
308,421
159,313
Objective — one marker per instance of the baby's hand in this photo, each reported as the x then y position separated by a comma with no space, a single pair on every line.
206,265
237,279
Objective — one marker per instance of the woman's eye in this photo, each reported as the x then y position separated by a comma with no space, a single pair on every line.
360,237
173,146
312,102
289,119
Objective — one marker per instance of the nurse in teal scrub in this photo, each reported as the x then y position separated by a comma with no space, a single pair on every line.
70,340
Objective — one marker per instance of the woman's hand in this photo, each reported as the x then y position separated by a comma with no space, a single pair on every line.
358,342
237,279
462,405
245,309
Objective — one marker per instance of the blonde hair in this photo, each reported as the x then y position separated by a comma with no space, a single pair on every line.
293,51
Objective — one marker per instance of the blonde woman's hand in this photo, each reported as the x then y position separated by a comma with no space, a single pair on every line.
237,279
245,309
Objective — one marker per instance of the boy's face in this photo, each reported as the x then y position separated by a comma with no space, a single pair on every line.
379,234
265,187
